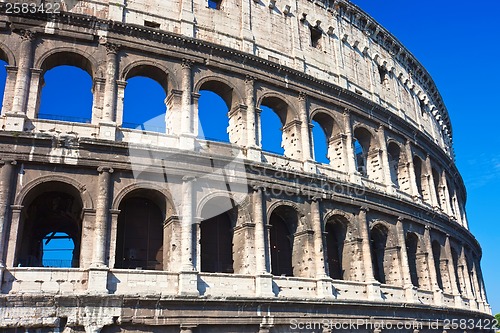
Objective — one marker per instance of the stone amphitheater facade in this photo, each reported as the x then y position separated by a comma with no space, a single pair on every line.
379,234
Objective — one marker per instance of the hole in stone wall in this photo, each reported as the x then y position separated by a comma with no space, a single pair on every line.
144,105
316,34
436,252
66,95
215,4
151,24
213,116
383,74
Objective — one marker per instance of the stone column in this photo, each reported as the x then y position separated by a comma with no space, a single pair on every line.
373,286
253,153
305,136
6,174
8,94
115,213
323,284
120,96
16,116
35,93
263,279
446,195
107,124
466,275
451,272
188,276
187,119
14,242
410,289
101,221
411,171
349,147
385,158
430,180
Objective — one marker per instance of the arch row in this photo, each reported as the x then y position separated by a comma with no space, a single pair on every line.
147,231
351,144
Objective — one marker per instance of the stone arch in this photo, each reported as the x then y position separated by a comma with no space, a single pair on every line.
70,56
337,258
333,132
379,235
397,165
23,195
294,205
230,204
169,210
52,206
285,110
366,157
153,70
7,55
412,243
222,87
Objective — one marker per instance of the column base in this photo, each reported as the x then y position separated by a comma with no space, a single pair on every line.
458,301
411,293
264,285
98,280
188,283
107,131
254,154
310,166
438,297
15,121
373,291
2,269
325,288
187,142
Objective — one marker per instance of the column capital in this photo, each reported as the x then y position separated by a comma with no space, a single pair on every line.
112,48
302,96
189,178
250,79
4,162
187,63
364,209
102,169
26,35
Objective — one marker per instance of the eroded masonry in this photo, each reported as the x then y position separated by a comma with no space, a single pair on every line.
174,232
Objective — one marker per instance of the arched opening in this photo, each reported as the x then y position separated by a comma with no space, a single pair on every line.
328,144
436,253
411,251
417,165
139,240
336,231
214,4
214,106
272,127
393,154
58,250
3,78
66,94
378,240
216,238
320,142
144,99
52,227
362,144
283,222
451,194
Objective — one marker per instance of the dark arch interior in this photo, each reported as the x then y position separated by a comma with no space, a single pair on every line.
378,239
336,234
283,222
436,252
394,152
454,257
411,250
437,181
418,165
50,215
139,240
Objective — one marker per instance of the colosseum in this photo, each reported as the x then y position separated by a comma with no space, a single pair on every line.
175,232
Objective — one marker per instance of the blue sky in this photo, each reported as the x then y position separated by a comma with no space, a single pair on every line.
458,44
456,41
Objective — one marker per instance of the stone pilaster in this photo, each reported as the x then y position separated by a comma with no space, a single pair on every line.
188,275
107,125
253,153
14,242
384,158
410,289
373,286
187,18
187,117
6,173
16,117
305,136
431,267
349,157
430,179
411,171
8,94
102,216
451,272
